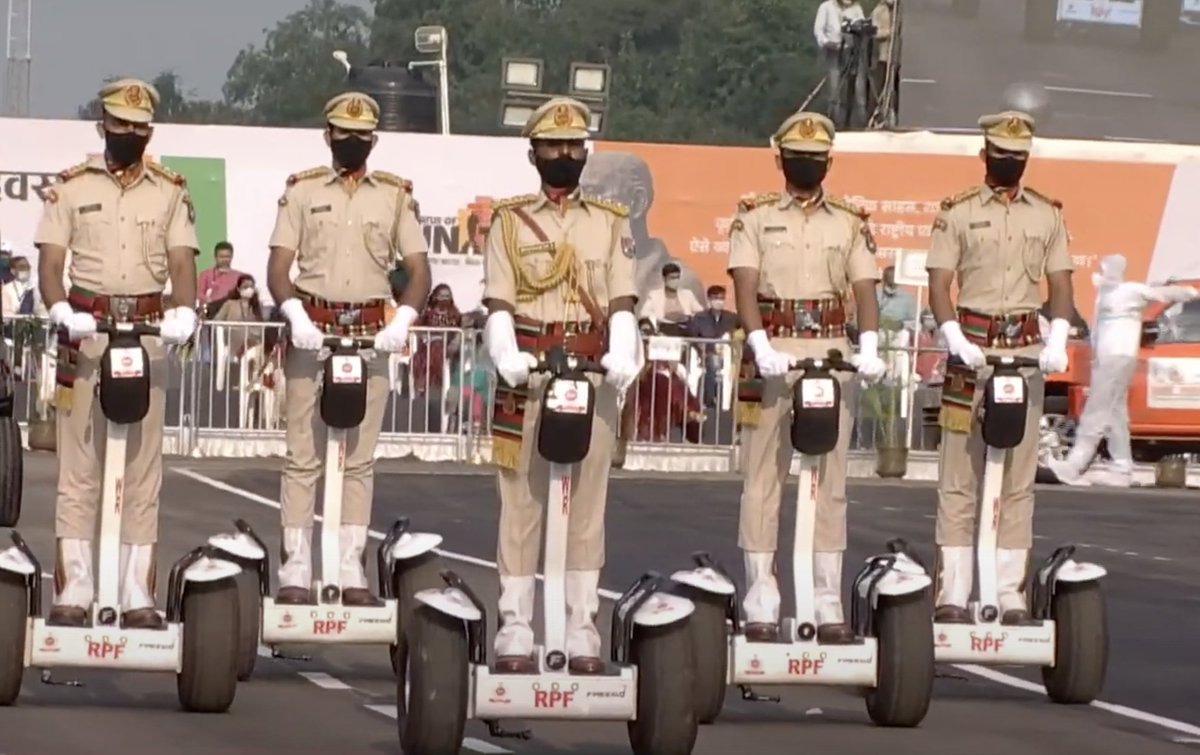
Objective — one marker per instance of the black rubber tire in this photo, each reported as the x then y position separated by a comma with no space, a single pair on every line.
904,683
432,720
207,682
12,471
249,622
666,719
710,647
14,622
1081,645
408,578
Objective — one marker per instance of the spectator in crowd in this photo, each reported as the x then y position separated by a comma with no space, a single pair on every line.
6,250
20,295
434,349
663,402
931,351
887,48
668,307
896,306
217,282
828,31
713,323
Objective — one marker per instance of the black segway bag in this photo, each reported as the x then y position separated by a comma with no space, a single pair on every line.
125,380
565,424
816,404
1005,407
344,390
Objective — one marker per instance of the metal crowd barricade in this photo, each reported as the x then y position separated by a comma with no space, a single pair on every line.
226,391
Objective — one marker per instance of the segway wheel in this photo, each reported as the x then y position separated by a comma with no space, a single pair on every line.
432,715
710,644
207,682
11,478
408,578
666,720
904,682
249,621
1081,645
14,621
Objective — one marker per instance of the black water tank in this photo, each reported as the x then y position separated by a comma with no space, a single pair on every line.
406,101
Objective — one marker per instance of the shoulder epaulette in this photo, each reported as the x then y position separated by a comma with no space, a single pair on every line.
73,172
393,179
304,175
959,198
616,208
1048,200
750,201
166,173
845,206
523,199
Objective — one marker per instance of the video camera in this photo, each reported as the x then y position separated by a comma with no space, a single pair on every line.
862,27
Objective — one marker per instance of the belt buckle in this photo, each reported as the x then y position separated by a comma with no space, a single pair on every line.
348,317
122,306
806,321
1012,329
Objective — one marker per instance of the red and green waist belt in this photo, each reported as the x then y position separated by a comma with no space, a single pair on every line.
987,332
339,318
535,337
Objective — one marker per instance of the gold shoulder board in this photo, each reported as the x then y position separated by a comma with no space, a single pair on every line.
393,179
73,172
1048,200
616,208
504,204
845,206
751,201
166,173
959,198
304,175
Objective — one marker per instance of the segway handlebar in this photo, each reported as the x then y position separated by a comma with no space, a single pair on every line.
338,342
127,328
1018,362
833,362
558,362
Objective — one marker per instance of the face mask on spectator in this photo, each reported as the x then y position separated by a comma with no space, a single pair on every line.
717,304
246,292
671,283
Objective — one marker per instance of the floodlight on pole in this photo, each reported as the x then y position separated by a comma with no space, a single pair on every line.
596,121
590,79
521,74
430,40
515,115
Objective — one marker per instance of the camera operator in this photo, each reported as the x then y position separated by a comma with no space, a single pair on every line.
886,18
834,20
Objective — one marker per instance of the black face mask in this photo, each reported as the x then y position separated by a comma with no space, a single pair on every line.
804,173
1005,172
351,154
124,149
561,172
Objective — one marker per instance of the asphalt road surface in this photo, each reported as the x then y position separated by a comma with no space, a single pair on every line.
343,699
1098,84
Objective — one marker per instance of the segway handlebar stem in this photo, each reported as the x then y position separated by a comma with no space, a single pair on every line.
1015,362
558,362
833,362
338,342
127,328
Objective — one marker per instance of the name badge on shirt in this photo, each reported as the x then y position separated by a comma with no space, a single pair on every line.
90,208
322,208
775,229
980,224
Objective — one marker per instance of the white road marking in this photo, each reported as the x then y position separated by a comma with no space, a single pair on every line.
1101,92
980,671
1186,740
469,743
324,681
918,81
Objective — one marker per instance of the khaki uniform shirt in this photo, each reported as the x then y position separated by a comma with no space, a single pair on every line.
1000,248
118,236
595,231
884,39
347,235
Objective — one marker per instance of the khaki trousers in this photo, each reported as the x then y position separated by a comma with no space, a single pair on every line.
523,492
960,473
306,437
766,456
81,447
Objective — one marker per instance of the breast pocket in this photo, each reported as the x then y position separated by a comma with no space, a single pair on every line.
782,264
153,232
537,261
981,247
93,231
1033,254
378,242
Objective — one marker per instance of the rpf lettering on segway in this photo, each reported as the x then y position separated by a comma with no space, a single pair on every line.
330,624
554,697
807,664
105,648
988,642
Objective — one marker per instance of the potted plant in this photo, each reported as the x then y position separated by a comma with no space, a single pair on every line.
882,404
32,334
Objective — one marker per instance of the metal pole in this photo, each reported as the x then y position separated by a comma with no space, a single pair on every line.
444,84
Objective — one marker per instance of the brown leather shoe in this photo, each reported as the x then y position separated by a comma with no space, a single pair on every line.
142,618
1018,617
515,664
762,632
949,614
359,596
293,596
67,616
588,665
835,634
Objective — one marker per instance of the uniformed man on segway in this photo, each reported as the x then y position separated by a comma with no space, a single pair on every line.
344,227
130,226
559,269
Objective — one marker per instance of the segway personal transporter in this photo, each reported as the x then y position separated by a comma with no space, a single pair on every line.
406,561
647,684
198,642
1068,636
11,455
892,656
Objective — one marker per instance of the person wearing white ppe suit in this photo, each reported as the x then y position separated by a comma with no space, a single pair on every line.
1116,339
559,272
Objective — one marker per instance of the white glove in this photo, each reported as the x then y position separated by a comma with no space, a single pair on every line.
79,325
395,336
1054,356
958,345
771,363
870,367
621,363
178,325
305,335
500,340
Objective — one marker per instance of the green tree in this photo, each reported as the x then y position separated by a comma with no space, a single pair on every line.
287,81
